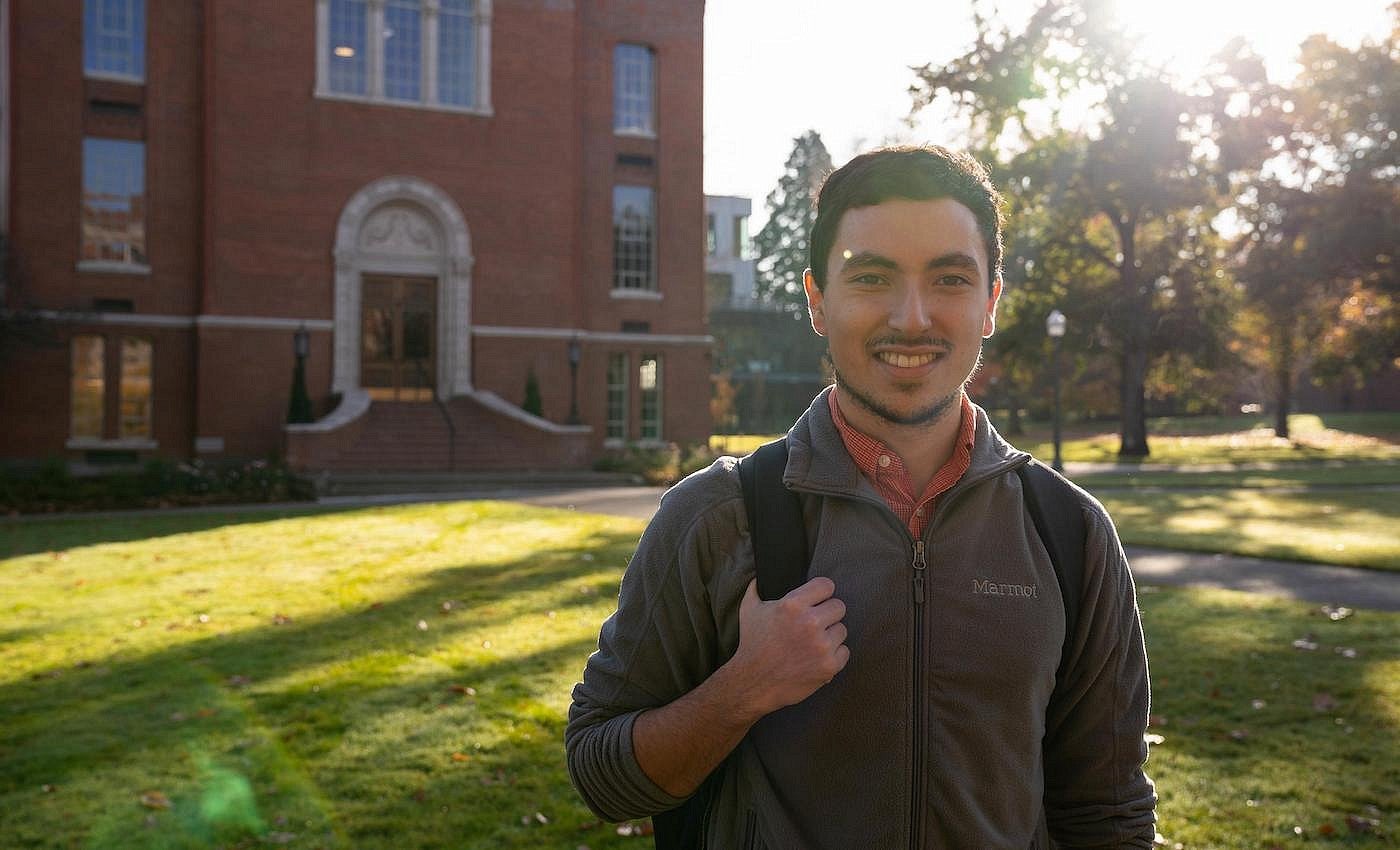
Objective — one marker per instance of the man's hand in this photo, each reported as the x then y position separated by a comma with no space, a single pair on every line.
789,647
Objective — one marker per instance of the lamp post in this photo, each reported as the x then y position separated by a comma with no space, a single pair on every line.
575,355
1055,328
299,411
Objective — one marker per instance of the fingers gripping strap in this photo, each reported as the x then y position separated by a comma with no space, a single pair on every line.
775,521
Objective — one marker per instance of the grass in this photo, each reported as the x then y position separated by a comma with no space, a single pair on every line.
1354,528
1347,438
398,677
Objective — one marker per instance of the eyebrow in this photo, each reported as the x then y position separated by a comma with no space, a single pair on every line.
955,259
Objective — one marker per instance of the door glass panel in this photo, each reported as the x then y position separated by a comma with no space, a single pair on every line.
397,338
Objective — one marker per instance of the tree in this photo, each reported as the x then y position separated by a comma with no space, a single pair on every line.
781,246
1130,192
1312,169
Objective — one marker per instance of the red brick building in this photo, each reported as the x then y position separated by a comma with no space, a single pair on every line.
444,195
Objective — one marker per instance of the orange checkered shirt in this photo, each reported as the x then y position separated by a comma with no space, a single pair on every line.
887,472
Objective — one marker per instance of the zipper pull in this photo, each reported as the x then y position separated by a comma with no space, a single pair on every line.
919,565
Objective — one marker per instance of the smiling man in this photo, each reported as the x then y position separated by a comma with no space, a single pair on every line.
927,686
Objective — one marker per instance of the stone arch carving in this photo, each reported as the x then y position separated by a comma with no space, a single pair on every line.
404,225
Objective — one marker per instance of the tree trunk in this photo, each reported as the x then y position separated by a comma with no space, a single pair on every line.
1283,383
1133,403
1132,381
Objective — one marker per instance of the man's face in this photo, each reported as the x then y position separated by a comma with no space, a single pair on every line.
905,309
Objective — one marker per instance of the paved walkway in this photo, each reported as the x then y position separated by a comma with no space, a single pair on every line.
1321,583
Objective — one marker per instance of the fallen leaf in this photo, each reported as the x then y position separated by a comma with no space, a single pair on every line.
1346,652
1326,829
204,618
280,619
280,837
1337,612
206,712
447,607
1324,702
375,606
178,717
486,644
464,690
1258,704
420,795
422,625
461,757
1239,735
540,818
1358,824
48,789
1154,739
1307,644
155,800
239,681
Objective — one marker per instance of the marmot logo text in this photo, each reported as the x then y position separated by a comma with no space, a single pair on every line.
992,588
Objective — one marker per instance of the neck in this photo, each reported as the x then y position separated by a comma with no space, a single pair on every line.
924,448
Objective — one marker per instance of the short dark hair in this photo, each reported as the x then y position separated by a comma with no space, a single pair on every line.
908,172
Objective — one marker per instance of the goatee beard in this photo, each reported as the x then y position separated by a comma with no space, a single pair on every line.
923,416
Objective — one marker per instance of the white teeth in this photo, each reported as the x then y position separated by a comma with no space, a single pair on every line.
904,360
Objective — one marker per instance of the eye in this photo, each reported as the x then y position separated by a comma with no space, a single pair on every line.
868,279
953,280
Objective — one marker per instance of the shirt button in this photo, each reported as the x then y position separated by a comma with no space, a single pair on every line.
884,460
918,512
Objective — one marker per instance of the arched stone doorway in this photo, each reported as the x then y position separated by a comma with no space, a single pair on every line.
400,232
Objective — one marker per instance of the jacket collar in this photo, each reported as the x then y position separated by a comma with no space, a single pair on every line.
818,460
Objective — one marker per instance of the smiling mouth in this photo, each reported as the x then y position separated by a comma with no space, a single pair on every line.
906,361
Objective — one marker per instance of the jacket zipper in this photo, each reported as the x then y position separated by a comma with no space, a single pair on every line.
916,812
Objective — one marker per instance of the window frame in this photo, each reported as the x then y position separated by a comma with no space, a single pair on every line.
617,380
429,43
136,258
648,285
624,100
657,419
135,9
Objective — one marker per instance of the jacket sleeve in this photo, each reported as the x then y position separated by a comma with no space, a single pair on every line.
1096,794
663,640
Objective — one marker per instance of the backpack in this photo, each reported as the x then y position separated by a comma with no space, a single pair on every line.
780,559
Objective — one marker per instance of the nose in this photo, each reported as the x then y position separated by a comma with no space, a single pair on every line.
909,312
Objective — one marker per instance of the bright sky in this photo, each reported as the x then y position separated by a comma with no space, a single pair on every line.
776,68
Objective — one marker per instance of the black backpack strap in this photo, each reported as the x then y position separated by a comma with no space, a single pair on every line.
775,521
780,557
1058,515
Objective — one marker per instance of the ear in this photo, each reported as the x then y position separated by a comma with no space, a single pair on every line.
815,304
989,321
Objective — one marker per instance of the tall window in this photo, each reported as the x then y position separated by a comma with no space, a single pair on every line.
633,238
88,387
633,100
135,388
349,47
406,51
711,235
114,201
403,50
457,53
617,397
741,236
114,38
649,385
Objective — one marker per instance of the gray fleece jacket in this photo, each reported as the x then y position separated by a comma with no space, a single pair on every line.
947,729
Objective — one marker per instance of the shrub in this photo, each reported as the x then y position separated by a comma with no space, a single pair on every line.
160,483
658,465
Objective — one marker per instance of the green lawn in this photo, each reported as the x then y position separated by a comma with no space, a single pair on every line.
398,677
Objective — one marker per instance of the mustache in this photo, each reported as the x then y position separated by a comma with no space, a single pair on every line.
911,342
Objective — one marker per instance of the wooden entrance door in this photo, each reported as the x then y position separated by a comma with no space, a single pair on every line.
398,337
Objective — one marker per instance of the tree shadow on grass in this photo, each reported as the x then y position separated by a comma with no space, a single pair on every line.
63,725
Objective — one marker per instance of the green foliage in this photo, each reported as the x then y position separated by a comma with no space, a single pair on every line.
781,246
533,403
299,409
160,483
658,465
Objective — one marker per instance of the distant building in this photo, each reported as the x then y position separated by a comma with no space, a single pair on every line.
766,354
444,196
